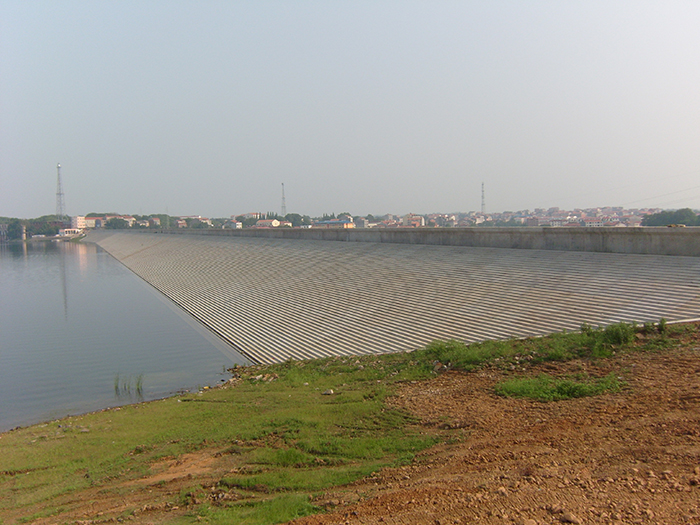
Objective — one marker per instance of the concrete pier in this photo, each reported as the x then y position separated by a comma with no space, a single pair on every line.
277,299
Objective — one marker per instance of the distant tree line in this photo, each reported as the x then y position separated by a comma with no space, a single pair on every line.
685,216
45,225
115,223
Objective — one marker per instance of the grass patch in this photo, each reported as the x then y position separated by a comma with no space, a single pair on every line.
281,509
546,388
277,437
300,480
275,429
588,343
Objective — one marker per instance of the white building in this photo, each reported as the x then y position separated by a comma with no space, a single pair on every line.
78,223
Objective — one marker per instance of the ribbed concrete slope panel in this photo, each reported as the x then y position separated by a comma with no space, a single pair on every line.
276,299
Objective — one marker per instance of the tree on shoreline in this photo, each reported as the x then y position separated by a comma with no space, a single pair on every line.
116,223
684,216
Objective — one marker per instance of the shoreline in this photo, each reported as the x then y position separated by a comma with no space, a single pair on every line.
289,433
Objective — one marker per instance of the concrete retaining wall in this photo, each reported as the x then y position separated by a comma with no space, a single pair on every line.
277,299
649,241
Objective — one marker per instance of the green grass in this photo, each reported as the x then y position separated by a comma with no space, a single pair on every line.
282,440
123,386
275,510
588,343
546,388
289,437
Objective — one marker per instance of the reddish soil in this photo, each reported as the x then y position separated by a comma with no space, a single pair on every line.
630,457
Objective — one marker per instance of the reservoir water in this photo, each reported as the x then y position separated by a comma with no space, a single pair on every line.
79,332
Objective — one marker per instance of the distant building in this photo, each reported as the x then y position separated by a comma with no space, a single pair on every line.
78,223
333,223
592,222
413,221
267,223
82,223
69,232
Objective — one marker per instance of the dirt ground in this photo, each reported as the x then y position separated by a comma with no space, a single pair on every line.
630,457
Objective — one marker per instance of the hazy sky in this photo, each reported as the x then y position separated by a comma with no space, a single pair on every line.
207,107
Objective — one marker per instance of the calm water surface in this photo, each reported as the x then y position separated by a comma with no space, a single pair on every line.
74,322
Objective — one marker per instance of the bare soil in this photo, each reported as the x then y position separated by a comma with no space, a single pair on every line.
630,457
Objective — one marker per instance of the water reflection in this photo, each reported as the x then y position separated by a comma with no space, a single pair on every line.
72,319
64,283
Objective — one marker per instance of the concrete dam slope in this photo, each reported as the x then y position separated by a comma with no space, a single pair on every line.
279,299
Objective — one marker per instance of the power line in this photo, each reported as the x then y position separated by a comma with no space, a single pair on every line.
662,195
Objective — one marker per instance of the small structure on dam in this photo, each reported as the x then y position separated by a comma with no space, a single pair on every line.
279,299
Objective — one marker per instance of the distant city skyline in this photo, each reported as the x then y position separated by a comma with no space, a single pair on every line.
531,212
376,107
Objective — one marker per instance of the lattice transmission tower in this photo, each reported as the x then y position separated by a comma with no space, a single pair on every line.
284,203
483,200
60,198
